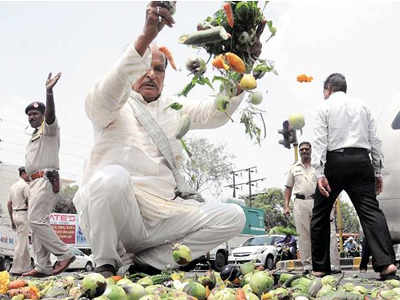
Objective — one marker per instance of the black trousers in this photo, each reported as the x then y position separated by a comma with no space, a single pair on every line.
352,172
364,254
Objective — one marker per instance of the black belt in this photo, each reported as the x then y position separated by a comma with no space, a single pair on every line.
21,209
303,197
350,150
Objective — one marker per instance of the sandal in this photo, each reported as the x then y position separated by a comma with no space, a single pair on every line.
319,274
105,270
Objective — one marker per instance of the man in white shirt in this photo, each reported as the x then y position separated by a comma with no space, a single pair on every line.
130,190
344,136
301,182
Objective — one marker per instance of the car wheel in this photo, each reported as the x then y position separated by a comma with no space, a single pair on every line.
89,267
7,264
220,261
269,262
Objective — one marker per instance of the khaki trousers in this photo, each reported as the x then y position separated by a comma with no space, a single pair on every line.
302,218
111,210
42,201
22,258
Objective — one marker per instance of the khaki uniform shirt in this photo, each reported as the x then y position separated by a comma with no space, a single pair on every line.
42,149
303,180
19,194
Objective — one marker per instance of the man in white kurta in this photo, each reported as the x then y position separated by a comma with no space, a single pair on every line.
127,192
18,210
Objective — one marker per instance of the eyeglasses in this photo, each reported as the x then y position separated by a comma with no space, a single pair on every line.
304,149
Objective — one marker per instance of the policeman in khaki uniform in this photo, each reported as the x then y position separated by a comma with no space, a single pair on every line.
42,164
302,182
18,210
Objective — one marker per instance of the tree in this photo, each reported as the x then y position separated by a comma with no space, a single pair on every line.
208,166
64,203
272,202
350,220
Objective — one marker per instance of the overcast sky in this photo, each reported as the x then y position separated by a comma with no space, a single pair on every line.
84,39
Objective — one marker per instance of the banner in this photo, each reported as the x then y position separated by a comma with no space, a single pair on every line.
65,226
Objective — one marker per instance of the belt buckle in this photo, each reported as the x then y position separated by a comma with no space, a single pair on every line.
341,150
36,175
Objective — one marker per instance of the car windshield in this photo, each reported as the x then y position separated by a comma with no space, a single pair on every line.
396,121
77,252
259,241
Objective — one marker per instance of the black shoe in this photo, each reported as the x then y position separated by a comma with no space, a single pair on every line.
363,269
389,277
336,271
143,268
190,266
106,270
306,272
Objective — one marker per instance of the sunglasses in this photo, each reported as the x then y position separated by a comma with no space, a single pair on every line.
304,149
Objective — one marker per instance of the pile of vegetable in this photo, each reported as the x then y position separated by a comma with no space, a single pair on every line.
233,283
229,37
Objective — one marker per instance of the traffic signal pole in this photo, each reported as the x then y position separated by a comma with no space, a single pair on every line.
296,152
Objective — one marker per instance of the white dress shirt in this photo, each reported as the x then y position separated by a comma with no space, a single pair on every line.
344,122
119,137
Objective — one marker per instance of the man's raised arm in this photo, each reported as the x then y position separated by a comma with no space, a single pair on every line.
108,96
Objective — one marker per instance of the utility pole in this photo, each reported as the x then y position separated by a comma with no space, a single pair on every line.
250,181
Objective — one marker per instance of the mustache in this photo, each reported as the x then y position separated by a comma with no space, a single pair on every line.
149,82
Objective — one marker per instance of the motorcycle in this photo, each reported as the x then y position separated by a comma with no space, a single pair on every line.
283,252
352,252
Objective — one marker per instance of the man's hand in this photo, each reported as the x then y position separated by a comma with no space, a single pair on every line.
286,212
323,186
51,82
156,17
378,184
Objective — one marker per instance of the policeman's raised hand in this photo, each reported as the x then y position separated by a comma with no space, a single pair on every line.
323,186
378,184
157,16
51,82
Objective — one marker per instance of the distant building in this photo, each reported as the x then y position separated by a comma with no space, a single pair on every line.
8,176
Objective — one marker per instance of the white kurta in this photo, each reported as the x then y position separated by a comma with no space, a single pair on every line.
123,149
120,139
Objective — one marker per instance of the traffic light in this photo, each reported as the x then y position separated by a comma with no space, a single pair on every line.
285,131
292,136
289,135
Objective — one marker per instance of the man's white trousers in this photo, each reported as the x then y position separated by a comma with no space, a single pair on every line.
112,210
302,217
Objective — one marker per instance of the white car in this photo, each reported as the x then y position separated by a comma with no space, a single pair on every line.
259,249
82,261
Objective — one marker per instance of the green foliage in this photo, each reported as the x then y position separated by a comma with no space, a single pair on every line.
351,223
197,79
283,230
175,106
272,202
209,165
